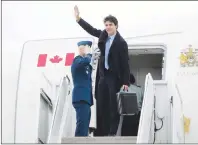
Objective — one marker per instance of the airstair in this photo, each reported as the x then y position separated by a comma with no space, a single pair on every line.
63,132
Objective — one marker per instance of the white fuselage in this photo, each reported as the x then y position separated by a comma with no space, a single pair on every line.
21,90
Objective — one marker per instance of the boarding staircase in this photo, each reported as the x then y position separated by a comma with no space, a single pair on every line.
161,120
62,127
63,121
62,131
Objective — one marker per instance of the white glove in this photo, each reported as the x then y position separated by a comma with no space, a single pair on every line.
96,53
95,56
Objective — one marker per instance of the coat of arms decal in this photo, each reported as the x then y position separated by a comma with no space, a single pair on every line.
189,57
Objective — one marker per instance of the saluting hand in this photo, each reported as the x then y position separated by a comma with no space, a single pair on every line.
96,53
76,13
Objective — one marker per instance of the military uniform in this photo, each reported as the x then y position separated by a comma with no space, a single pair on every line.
82,98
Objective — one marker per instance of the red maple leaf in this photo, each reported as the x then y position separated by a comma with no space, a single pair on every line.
56,59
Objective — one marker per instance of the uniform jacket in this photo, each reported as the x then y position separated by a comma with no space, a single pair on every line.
81,74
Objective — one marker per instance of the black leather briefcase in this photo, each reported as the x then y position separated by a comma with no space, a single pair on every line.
127,102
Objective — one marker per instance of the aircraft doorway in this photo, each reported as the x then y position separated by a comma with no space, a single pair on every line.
143,59
143,63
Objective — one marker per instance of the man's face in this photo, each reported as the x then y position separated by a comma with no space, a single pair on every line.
82,50
110,27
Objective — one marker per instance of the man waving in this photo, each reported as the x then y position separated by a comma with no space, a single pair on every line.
113,70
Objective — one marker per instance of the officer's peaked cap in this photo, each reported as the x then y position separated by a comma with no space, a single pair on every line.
89,43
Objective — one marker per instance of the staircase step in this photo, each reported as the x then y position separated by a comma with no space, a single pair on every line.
100,140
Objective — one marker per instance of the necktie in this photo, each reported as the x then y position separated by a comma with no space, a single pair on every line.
107,53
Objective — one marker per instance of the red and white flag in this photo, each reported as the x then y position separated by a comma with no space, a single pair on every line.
43,58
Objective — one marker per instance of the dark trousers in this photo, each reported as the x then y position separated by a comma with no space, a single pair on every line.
83,114
107,104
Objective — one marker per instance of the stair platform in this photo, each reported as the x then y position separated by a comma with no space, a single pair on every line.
100,140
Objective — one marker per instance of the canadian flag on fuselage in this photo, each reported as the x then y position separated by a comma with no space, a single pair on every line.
44,58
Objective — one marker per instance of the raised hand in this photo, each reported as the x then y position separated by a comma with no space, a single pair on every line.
76,13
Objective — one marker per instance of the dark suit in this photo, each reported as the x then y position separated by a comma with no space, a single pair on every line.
110,80
82,98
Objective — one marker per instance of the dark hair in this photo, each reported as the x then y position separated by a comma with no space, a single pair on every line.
132,79
111,19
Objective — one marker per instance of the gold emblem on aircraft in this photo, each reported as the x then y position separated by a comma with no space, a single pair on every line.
189,57
186,124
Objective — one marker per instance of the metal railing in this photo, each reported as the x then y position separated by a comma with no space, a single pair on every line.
55,133
146,125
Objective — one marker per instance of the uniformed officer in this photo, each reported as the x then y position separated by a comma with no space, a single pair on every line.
82,99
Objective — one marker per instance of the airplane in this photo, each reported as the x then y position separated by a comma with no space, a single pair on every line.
165,65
